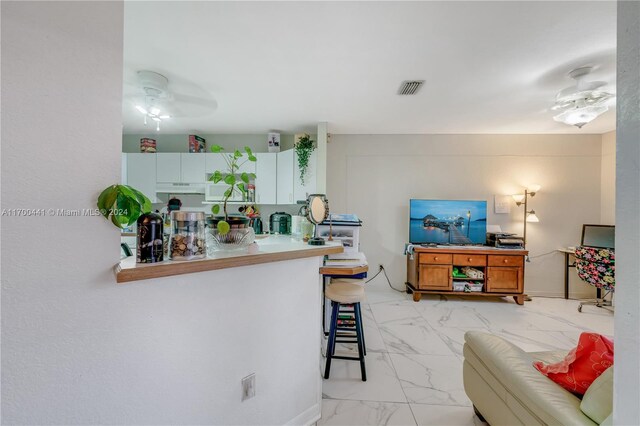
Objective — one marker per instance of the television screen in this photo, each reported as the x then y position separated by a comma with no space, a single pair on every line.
447,221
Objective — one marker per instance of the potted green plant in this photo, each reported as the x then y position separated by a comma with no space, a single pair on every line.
304,147
237,183
122,205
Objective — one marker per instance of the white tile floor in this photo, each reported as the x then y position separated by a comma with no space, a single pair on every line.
414,358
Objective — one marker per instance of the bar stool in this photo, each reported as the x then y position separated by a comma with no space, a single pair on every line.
343,292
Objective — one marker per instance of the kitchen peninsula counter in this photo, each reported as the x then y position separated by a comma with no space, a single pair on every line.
274,248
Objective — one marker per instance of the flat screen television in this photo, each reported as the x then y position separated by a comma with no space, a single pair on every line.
457,222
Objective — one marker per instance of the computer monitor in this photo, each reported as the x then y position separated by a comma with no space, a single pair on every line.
600,236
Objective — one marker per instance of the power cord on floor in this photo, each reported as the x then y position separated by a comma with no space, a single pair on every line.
387,277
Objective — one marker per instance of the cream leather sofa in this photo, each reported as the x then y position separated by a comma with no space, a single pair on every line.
506,389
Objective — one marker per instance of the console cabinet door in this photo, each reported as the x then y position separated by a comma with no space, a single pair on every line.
505,280
435,277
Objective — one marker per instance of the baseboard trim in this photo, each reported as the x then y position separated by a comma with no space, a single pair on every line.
307,417
560,295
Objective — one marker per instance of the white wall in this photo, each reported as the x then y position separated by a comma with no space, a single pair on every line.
76,347
608,180
374,176
626,410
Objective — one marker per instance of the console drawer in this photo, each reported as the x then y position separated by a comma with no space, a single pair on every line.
435,258
469,260
502,260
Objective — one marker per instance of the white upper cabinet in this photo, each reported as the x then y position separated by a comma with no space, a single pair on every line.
285,177
214,162
168,167
192,168
301,191
266,178
141,174
217,162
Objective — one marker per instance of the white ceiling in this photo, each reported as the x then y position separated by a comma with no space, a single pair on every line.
489,67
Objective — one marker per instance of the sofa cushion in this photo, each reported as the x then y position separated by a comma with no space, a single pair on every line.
522,387
597,402
608,421
582,365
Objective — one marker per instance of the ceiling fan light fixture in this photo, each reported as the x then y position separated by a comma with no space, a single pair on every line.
582,103
580,116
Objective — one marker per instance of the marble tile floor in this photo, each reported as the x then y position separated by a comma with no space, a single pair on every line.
414,358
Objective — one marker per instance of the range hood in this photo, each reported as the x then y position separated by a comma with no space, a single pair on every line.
180,188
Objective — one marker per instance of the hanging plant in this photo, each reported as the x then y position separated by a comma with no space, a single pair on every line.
304,147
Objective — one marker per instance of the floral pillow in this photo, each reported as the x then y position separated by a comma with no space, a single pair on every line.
582,365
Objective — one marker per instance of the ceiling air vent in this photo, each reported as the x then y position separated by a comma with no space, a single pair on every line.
410,87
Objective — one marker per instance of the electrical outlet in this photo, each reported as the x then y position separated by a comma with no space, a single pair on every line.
249,387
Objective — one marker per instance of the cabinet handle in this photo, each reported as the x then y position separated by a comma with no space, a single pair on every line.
505,261
435,258
290,197
469,260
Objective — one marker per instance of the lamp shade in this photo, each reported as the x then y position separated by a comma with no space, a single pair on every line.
531,217
518,198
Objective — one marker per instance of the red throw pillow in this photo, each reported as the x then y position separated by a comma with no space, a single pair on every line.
582,365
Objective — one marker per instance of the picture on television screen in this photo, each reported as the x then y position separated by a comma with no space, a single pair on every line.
447,222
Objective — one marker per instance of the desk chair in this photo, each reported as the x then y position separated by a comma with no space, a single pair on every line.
596,266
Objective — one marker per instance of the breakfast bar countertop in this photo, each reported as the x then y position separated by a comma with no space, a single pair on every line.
274,248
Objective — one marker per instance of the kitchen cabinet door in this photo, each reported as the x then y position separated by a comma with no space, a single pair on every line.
141,174
168,167
301,191
192,168
247,166
214,162
266,178
284,176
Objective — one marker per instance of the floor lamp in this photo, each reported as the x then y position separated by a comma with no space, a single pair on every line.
529,215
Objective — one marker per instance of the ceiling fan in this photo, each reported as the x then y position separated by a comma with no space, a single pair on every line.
156,99
582,103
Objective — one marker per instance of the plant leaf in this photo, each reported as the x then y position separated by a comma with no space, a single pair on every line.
241,187
215,209
228,192
252,176
216,149
252,157
237,154
216,176
223,227
230,179
244,177
248,150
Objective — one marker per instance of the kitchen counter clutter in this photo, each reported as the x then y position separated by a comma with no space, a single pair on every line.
274,248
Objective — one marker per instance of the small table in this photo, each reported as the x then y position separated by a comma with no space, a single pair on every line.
568,252
329,272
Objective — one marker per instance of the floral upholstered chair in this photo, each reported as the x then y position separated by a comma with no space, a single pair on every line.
597,266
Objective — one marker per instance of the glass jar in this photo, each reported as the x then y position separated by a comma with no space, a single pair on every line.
149,238
187,236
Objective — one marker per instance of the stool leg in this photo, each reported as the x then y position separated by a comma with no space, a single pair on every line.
364,346
359,333
331,344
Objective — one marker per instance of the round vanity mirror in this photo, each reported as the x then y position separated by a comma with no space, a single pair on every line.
317,212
